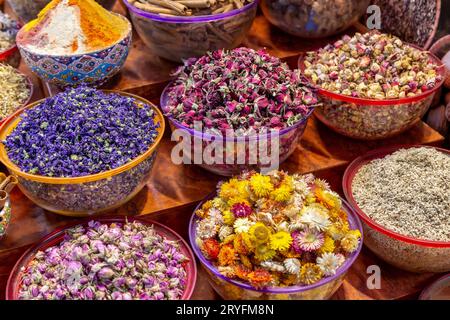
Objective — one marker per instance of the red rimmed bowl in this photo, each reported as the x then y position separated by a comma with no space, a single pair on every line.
11,56
23,104
402,251
230,289
371,119
57,236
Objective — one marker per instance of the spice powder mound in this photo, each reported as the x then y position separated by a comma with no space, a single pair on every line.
72,27
407,192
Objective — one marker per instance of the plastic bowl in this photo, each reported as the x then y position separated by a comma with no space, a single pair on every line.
245,152
25,103
230,289
57,236
371,119
404,252
87,195
438,290
178,38
93,68
313,19
27,10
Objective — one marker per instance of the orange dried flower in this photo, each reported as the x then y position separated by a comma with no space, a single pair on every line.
246,261
227,255
210,248
239,245
241,272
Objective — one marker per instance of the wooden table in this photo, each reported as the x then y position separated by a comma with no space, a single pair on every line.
172,192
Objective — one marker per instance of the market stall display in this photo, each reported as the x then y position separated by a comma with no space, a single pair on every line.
235,97
9,53
372,85
75,42
100,160
401,194
16,91
6,185
106,259
28,10
275,236
313,19
172,34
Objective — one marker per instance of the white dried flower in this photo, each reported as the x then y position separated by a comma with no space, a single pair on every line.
330,262
292,265
242,225
216,215
227,271
297,225
273,266
266,218
283,226
224,232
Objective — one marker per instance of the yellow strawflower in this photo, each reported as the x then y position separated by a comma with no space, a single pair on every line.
229,189
310,273
328,245
259,233
263,253
350,241
282,194
261,185
280,241
228,217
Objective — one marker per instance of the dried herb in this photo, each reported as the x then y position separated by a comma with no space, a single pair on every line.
239,90
8,31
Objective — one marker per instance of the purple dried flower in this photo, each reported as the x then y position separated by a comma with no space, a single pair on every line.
241,210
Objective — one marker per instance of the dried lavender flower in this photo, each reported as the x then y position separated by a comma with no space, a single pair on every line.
80,132
239,90
107,262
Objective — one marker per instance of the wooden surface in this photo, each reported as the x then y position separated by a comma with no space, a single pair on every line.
173,191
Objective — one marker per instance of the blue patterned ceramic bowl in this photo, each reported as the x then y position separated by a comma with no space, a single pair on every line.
93,68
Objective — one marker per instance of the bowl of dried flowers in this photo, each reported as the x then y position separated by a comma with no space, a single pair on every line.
402,196
82,151
246,104
109,258
313,19
372,86
275,236
177,30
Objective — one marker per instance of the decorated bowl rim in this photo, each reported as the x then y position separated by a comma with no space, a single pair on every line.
126,34
10,123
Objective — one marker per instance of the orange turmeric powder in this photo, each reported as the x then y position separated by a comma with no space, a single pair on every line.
100,27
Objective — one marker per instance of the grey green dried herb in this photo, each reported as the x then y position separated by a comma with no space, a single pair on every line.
372,65
177,41
129,261
189,7
407,192
15,90
313,18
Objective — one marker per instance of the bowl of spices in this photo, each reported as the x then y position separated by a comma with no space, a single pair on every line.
75,42
178,30
402,196
313,19
372,86
9,53
120,258
28,10
82,151
16,91
438,290
246,105
275,236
